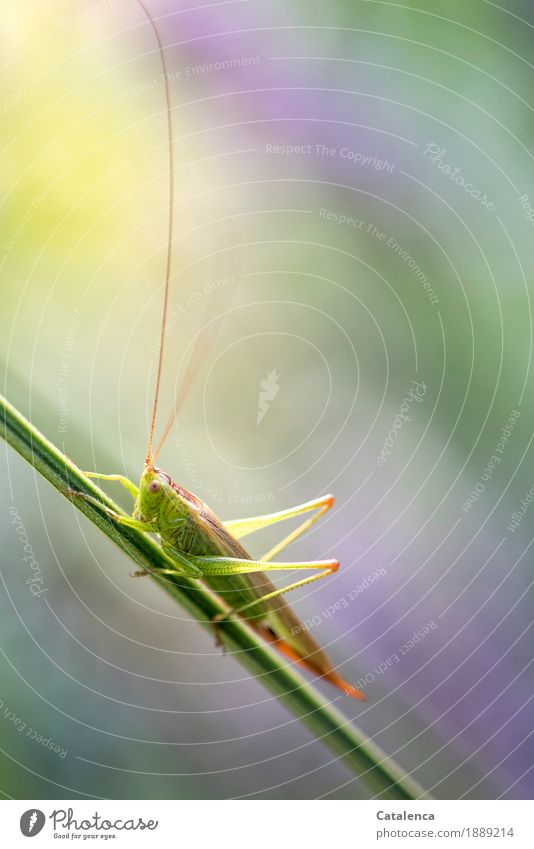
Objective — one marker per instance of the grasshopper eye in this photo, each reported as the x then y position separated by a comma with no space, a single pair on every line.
155,486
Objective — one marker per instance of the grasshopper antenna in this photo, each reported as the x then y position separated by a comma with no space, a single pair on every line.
204,340
202,346
148,459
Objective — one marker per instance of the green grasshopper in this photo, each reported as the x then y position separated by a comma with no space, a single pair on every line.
195,540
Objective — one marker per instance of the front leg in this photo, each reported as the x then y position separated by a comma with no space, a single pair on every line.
179,564
124,481
128,521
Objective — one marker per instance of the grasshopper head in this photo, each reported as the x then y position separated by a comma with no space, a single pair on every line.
153,488
157,487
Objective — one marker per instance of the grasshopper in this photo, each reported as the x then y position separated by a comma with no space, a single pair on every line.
198,544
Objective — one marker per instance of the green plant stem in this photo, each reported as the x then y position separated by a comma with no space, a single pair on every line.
383,777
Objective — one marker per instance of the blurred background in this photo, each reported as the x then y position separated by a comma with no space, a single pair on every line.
355,193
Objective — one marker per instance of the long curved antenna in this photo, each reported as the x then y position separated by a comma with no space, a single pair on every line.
202,346
213,319
169,231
